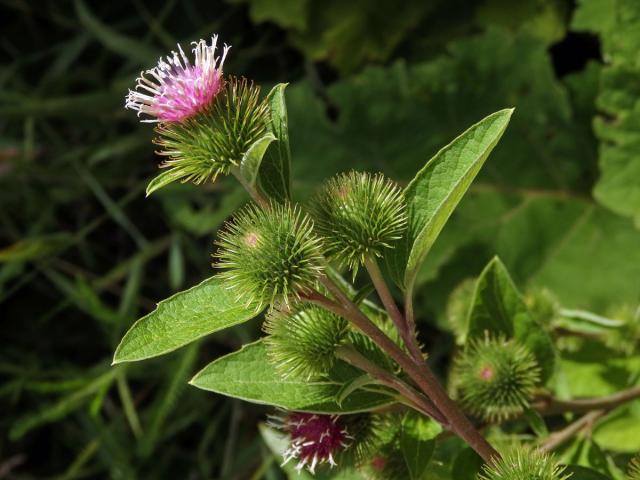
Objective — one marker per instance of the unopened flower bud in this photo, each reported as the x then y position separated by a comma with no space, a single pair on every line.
522,463
359,215
302,340
496,377
269,255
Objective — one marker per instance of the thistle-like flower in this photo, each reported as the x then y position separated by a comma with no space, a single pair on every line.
359,215
496,377
314,439
269,255
301,340
205,123
524,464
175,89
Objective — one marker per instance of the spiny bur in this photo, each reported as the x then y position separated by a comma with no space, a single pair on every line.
359,215
269,255
496,377
633,470
301,340
522,463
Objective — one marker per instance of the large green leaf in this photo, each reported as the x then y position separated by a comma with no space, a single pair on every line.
274,176
618,432
183,318
438,188
417,443
617,126
247,374
498,308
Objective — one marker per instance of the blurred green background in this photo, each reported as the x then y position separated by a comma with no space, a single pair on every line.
376,85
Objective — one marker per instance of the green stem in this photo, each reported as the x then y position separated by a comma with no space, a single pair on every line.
407,333
554,406
253,192
420,374
416,400
558,438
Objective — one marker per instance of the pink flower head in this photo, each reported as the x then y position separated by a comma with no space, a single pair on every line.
315,439
175,90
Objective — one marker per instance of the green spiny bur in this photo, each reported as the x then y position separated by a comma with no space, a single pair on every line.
496,377
543,305
366,430
208,144
269,255
633,470
301,340
524,464
359,215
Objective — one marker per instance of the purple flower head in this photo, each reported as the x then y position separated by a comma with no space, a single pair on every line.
315,439
175,89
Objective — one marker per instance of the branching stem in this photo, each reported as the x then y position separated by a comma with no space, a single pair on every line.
552,406
558,438
416,399
421,374
408,334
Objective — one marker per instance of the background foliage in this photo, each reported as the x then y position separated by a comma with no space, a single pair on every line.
373,85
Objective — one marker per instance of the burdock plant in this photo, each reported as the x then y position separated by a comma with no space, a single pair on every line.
333,362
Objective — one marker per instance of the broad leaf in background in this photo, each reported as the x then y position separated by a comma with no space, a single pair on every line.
618,431
583,451
498,308
417,443
274,176
592,369
467,465
618,126
346,34
584,473
437,189
248,375
182,318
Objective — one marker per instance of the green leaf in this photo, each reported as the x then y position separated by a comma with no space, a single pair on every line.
536,422
616,126
248,375
498,308
349,387
252,159
274,176
466,465
583,473
618,431
182,318
437,189
417,443
163,179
